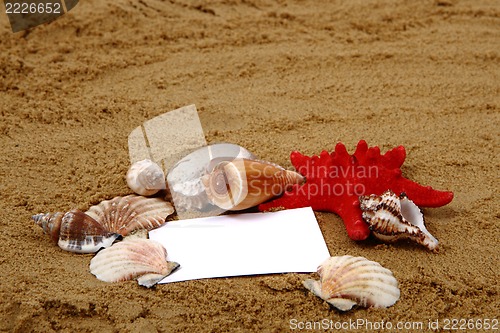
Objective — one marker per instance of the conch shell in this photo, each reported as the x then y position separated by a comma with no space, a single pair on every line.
392,218
146,178
102,224
133,258
346,281
244,183
75,231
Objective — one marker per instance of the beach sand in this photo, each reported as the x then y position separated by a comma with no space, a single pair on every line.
274,77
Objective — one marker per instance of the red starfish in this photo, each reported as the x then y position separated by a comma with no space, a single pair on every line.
335,181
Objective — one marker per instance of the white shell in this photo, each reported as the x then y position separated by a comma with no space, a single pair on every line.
146,177
392,218
133,258
347,281
126,214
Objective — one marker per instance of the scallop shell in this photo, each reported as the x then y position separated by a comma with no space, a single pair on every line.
146,177
392,218
185,177
244,183
347,281
102,224
133,258
126,214
75,231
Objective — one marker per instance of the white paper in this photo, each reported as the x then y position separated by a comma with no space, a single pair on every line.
243,244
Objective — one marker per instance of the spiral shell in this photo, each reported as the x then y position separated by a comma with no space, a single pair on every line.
244,183
75,231
146,177
102,224
346,281
393,217
133,258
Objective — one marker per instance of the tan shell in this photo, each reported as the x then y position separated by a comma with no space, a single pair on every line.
185,178
146,177
392,218
133,258
244,183
102,224
347,281
75,231
126,214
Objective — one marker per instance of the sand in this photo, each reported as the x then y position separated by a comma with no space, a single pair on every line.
272,76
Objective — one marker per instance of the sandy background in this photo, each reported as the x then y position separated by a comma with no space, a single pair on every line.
273,76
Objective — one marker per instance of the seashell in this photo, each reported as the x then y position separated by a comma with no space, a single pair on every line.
126,214
244,183
392,218
185,177
102,224
146,177
75,231
133,258
346,281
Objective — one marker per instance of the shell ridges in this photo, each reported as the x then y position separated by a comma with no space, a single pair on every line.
346,281
133,258
125,214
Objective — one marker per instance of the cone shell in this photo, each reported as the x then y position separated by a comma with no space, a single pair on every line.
185,178
347,281
244,183
75,231
126,214
146,177
393,217
133,258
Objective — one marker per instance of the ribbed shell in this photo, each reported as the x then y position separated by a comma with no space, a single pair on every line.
393,217
133,258
244,183
346,281
126,214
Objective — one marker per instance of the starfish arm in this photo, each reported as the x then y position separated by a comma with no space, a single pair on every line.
357,229
395,157
300,162
361,148
423,196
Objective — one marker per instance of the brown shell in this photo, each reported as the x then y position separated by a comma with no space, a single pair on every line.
244,183
75,231
393,217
